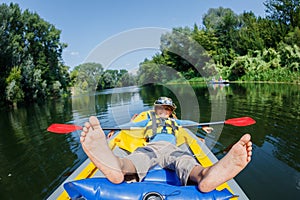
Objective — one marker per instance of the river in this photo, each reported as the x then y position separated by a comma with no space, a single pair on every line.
34,162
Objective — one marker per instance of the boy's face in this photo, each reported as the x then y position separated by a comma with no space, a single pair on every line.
163,111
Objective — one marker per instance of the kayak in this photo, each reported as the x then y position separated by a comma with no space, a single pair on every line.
87,182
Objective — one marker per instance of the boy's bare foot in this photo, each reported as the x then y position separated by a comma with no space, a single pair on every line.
228,167
94,144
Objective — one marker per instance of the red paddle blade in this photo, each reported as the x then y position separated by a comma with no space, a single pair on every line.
242,121
63,128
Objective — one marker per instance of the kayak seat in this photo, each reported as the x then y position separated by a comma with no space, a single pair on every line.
158,174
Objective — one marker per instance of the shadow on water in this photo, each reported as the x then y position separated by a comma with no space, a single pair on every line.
31,158
34,162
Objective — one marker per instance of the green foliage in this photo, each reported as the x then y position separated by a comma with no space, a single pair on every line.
85,77
267,65
56,88
33,85
126,79
116,78
14,92
174,47
108,80
290,56
185,54
293,37
155,73
249,35
30,46
89,77
285,12
207,39
224,23
243,47
150,73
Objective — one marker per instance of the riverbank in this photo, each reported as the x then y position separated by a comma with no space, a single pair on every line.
200,80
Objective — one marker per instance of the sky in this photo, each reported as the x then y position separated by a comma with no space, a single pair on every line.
111,29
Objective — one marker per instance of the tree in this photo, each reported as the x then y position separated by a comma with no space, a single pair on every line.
249,35
243,47
33,46
86,76
10,29
224,23
42,43
293,37
269,32
126,80
207,39
290,56
153,73
284,12
149,73
183,53
108,80
14,92
34,86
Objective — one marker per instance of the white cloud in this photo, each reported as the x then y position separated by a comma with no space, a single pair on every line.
74,53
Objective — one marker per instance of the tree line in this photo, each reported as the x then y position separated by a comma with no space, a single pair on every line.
238,47
32,68
92,76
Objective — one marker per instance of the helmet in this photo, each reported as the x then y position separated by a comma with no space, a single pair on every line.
165,101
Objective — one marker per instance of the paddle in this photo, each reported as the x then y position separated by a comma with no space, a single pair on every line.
241,121
67,128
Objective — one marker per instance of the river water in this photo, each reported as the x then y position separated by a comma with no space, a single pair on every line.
34,162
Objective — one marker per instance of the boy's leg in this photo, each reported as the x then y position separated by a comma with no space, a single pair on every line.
94,144
225,169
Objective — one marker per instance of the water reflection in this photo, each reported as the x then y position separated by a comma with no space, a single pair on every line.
276,108
29,155
276,140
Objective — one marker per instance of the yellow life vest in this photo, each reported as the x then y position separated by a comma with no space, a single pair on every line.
157,125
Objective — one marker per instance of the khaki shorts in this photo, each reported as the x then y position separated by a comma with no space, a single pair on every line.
166,155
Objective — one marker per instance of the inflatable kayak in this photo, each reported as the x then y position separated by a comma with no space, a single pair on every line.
87,182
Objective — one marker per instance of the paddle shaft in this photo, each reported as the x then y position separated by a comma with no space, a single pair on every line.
204,124
242,121
67,128
184,126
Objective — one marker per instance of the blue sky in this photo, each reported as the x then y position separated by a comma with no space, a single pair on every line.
87,24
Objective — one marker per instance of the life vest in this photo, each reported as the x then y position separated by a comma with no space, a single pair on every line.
158,125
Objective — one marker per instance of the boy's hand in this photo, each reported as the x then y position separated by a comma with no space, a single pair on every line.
208,129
